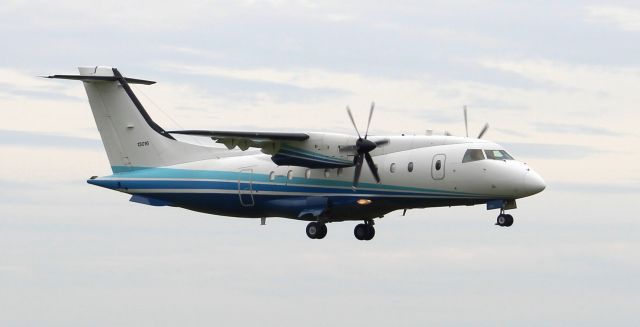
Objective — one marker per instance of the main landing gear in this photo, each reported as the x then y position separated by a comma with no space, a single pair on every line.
365,232
316,230
504,220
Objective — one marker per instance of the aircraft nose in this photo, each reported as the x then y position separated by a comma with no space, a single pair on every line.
533,183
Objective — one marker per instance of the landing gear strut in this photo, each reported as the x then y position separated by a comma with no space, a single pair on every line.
316,230
504,220
365,232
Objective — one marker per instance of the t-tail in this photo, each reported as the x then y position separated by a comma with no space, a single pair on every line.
130,137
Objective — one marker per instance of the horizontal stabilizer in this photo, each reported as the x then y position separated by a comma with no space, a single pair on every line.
100,79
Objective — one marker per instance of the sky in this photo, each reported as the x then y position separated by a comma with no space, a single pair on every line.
556,80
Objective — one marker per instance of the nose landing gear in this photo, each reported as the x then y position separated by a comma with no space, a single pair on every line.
504,220
365,232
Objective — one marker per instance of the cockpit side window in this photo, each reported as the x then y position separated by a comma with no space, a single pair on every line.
498,155
473,155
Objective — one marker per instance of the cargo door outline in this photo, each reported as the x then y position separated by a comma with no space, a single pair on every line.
245,187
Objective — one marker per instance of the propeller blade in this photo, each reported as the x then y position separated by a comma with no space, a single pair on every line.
372,166
466,126
353,122
373,104
356,176
484,130
382,142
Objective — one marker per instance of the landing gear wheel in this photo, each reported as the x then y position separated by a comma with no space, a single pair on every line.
371,232
509,221
364,232
360,232
504,220
316,230
323,231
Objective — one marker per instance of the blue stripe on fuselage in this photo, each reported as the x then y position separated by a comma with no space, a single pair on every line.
172,178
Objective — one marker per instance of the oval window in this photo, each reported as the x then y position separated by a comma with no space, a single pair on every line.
392,168
272,175
438,165
327,173
290,174
339,171
307,174
410,167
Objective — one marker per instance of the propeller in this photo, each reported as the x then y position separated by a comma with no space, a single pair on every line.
466,126
362,148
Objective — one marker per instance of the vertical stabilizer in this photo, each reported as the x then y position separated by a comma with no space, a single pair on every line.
131,138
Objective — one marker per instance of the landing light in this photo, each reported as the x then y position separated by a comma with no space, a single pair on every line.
363,202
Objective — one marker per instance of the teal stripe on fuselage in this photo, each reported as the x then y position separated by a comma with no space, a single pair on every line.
168,173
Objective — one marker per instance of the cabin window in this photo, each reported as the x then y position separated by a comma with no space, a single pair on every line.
307,174
473,155
327,173
438,165
410,167
392,168
339,172
290,175
272,175
498,155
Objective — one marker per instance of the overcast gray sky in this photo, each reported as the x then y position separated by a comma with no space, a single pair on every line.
557,81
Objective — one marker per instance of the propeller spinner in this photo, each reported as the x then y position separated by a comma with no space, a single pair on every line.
362,148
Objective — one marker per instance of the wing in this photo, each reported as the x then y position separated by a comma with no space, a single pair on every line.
269,142
312,150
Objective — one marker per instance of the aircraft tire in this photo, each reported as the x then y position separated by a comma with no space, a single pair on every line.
322,231
361,232
313,230
501,220
371,232
509,221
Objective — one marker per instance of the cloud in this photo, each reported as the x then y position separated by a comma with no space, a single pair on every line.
550,151
576,129
631,187
35,139
625,18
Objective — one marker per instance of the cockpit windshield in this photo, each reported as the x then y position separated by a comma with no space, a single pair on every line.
498,155
473,155
479,154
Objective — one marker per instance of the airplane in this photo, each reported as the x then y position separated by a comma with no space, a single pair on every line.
309,176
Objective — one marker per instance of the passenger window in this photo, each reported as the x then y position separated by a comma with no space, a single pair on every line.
410,167
498,155
473,155
307,174
392,168
438,165
327,173
290,175
272,176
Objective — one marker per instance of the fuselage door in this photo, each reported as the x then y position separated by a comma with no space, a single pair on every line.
437,166
245,187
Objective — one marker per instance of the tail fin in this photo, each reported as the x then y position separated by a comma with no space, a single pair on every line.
131,138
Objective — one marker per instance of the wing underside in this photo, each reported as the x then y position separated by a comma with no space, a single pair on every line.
269,142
